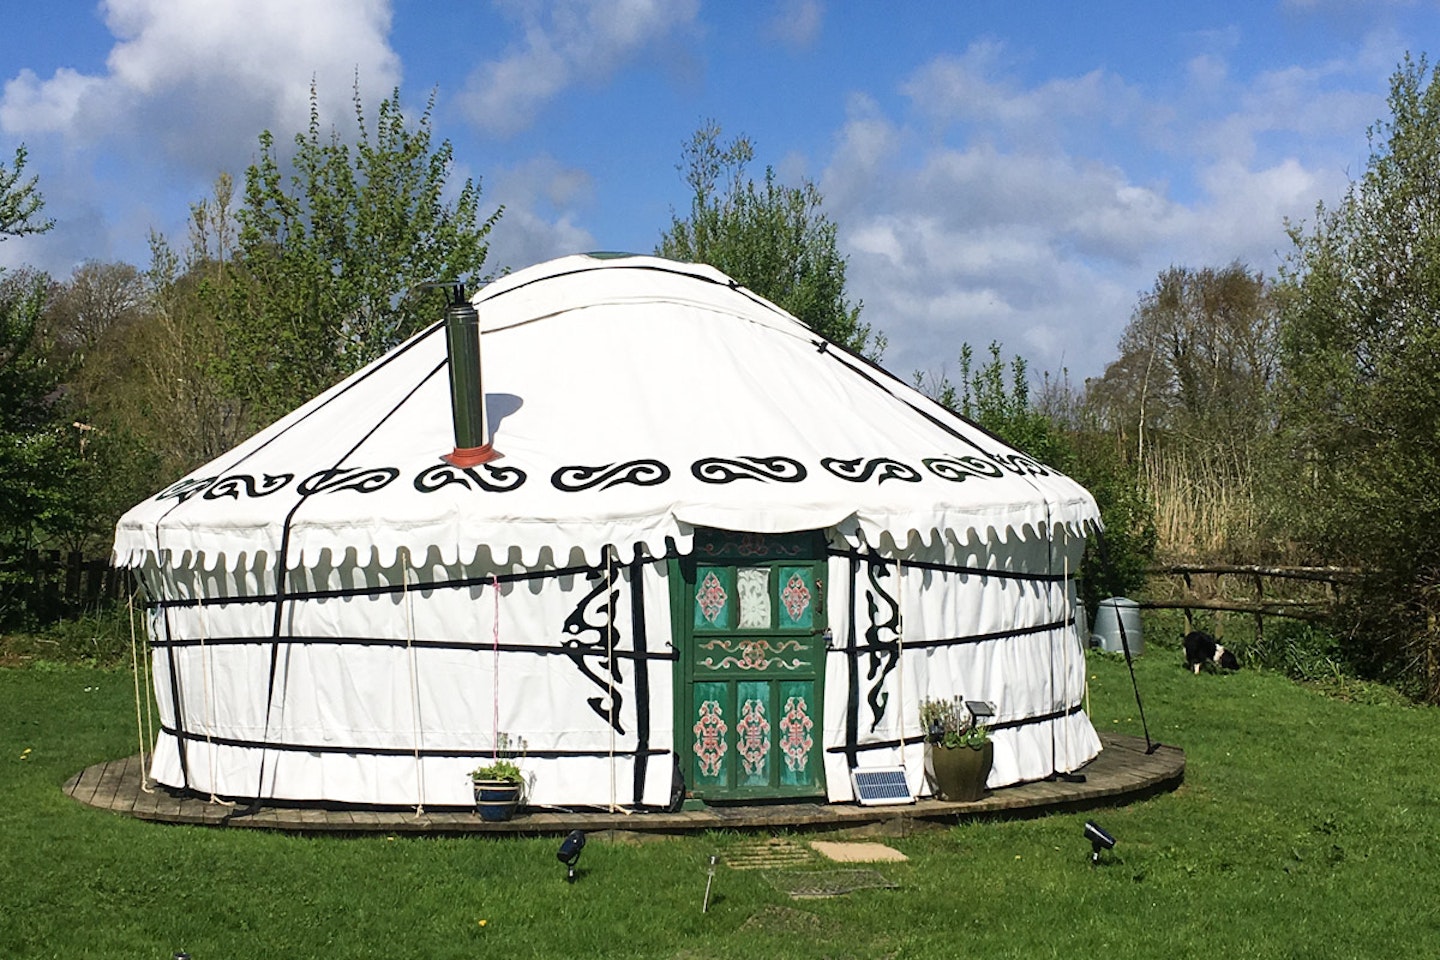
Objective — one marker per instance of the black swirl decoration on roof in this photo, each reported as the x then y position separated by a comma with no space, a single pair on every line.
486,477
861,470
725,470
243,484
960,469
1019,464
358,479
183,490
641,473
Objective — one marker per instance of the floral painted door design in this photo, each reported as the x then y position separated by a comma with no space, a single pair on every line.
752,661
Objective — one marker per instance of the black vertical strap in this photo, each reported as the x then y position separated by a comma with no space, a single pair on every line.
852,665
282,572
642,677
181,741
1049,589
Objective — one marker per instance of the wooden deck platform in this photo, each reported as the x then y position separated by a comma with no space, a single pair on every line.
1121,773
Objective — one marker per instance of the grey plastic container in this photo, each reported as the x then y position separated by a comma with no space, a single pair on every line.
1109,616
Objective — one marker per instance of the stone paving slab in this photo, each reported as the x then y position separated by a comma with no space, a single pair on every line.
842,852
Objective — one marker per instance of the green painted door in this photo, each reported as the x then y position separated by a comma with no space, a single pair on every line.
751,626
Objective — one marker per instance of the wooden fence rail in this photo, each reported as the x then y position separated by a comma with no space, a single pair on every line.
1211,587
48,584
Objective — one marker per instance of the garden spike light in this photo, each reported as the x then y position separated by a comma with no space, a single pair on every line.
709,880
1099,840
570,852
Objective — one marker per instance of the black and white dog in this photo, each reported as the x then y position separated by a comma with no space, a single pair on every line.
1201,649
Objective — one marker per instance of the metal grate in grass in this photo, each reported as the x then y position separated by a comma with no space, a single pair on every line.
767,854
778,919
816,884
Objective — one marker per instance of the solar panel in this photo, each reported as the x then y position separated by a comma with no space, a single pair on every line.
879,786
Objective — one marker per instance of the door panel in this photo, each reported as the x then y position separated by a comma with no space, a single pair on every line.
798,728
752,733
714,596
709,735
797,595
750,665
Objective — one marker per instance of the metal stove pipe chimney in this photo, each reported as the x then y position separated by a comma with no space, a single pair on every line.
467,393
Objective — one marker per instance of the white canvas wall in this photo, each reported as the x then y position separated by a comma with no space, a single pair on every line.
1002,637
380,686
387,693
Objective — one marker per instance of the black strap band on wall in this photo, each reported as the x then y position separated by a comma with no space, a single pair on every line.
642,678
852,664
920,738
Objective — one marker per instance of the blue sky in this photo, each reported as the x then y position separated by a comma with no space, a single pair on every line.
997,170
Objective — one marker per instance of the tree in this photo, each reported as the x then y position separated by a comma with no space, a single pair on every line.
153,371
773,239
28,474
27,382
86,336
1360,397
27,396
96,299
1189,402
179,359
1196,364
333,252
20,200
84,319
65,478
1005,408
63,481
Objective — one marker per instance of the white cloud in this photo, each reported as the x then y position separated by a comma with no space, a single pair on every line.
201,80
567,42
797,23
988,209
543,201
186,89
1207,73
32,105
1248,207
972,89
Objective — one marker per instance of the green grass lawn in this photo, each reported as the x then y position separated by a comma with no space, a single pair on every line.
1307,826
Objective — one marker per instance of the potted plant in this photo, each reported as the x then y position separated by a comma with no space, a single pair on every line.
958,749
499,785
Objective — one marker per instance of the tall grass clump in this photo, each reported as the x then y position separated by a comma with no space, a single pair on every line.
1203,512
97,638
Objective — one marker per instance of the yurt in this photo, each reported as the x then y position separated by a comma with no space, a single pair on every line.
635,523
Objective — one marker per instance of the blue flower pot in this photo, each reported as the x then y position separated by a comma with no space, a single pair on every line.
496,800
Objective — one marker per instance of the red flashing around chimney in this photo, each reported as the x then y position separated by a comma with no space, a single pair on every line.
471,456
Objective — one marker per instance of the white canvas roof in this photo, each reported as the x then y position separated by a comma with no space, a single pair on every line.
632,399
